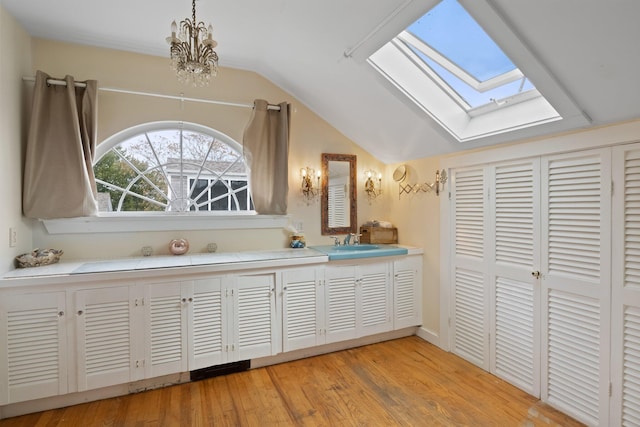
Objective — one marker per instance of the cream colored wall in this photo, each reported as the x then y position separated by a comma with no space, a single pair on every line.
310,136
417,216
15,61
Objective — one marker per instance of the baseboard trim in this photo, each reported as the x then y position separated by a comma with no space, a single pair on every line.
429,336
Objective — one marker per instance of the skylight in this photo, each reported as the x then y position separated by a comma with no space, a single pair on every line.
451,68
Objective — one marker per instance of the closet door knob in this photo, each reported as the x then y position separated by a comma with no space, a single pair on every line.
535,274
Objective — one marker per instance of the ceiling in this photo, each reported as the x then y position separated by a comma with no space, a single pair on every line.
590,48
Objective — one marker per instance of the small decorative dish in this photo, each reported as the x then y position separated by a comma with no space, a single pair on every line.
39,257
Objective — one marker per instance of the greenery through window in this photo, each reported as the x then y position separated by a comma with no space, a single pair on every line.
171,167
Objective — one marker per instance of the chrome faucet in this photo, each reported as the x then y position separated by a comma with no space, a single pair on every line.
356,238
336,240
347,239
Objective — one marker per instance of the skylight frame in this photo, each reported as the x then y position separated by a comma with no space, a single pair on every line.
557,111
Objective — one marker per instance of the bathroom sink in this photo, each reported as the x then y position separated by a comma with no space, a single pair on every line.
359,251
363,247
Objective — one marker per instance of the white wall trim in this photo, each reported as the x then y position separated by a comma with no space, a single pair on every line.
429,336
605,136
145,222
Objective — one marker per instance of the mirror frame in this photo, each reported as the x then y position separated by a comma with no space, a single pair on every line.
353,205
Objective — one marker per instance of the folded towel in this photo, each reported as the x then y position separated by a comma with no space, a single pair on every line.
378,223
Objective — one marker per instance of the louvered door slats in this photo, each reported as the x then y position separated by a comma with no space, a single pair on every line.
577,208
625,408
469,316
573,224
255,316
469,269
375,299
206,324
469,213
33,333
301,309
342,308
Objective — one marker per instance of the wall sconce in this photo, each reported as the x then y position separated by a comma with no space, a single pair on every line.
437,186
310,191
373,184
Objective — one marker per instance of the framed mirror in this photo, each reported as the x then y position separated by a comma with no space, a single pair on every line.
338,201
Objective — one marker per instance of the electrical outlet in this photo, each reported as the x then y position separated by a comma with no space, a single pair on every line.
300,226
13,237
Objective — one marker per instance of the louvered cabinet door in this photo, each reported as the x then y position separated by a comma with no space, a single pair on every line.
166,306
375,298
33,343
340,303
625,313
514,246
255,317
105,338
407,292
576,274
208,323
302,304
470,293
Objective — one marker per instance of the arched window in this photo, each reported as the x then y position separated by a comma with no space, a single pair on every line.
171,167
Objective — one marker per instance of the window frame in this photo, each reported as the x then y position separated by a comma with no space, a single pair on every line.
131,221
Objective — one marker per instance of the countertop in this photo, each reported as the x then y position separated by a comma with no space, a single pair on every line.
78,270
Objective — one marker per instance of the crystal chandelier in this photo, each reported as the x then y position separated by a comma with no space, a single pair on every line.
192,54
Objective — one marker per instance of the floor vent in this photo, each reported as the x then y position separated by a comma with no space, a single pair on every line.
216,371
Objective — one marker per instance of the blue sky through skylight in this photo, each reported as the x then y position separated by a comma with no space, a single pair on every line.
450,30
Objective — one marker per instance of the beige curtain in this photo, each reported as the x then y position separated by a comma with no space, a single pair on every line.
58,172
266,153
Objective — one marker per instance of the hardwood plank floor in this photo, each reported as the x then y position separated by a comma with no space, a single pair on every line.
404,382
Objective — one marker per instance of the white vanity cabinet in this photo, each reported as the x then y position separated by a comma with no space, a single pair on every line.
339,302
69,334
407,292
205,322
33,346
358,300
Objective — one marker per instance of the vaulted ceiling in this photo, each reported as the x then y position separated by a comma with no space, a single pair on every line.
317,50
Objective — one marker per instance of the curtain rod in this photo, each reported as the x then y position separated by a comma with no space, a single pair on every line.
157,95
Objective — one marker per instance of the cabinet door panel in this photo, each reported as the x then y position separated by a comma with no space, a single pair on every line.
104,337
208,323
340,303
375,298
255,316
33,342
166,321
407,290
301,309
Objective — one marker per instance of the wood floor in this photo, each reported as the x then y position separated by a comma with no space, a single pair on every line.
404,382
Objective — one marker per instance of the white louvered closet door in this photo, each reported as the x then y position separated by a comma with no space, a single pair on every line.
514,246
470,295
576,268
625,312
